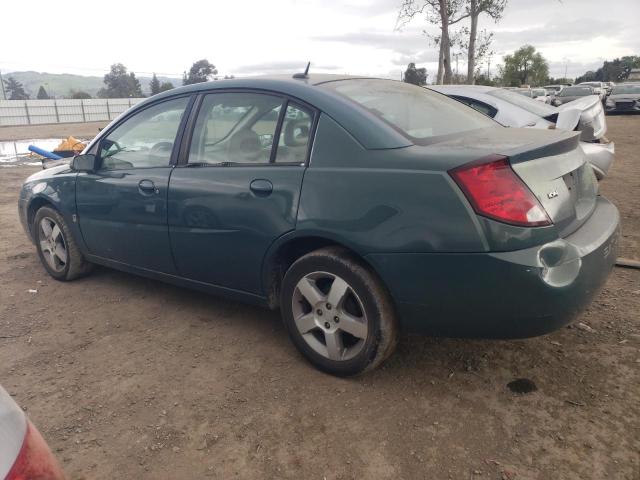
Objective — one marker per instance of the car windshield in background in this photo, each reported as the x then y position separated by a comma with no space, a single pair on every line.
575,92
592,84
530,105
416,112
629,89
538,92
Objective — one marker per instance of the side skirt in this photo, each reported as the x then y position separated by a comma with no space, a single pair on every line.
182,282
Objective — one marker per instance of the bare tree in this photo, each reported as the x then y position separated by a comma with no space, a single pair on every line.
443,13
474,8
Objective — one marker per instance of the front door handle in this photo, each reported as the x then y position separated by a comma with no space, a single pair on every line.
261,187
147,187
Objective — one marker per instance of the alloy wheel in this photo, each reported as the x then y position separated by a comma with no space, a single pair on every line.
329,316
52,244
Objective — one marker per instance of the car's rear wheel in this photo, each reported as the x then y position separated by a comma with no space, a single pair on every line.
56,247
338,313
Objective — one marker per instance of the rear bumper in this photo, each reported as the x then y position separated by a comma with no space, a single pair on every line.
515,294
600,156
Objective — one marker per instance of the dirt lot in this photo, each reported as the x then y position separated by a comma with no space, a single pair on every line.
129,378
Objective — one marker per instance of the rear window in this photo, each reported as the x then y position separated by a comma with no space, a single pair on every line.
416,112
576,91
530,105
634,89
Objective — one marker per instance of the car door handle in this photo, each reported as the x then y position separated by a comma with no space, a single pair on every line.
261,187
147,187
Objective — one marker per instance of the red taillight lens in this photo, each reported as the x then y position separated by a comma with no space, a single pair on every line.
35,461
495,191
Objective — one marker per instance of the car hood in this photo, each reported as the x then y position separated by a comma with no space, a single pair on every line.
49,173
586,114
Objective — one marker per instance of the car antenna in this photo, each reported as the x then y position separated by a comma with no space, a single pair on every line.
305,74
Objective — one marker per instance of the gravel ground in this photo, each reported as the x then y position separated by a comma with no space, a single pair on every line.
131,378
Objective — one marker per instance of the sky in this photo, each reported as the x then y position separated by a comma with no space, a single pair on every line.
250,37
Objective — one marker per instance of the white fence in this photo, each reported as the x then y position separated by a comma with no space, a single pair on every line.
34,112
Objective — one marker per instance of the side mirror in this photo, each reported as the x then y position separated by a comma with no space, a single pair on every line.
84,163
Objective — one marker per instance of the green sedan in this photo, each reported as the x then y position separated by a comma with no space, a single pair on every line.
359,207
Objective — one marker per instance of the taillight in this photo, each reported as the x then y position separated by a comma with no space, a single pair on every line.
495,191
35,461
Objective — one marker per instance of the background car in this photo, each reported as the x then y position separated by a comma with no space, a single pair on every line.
599,88
377,207
24,455
539,94
569,94
514,110
623,98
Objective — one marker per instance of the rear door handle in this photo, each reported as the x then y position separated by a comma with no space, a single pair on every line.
147,187
261,187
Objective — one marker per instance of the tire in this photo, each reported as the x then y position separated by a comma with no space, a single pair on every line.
351,337
66,262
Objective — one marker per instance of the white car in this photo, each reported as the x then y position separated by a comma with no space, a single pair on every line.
539,94
514,110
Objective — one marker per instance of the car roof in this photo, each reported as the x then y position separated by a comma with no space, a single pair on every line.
371,131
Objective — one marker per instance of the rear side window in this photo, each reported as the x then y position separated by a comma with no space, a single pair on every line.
416,112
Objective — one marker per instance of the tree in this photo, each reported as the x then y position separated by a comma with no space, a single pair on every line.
443,13
79,95
164,86
154,85
15,90
525,66
120,84
199,72
415,76
612,71
494,9
42,94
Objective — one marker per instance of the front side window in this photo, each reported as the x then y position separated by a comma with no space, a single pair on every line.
416,112
235,128
144,140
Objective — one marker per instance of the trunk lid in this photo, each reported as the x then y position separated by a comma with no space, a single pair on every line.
561,178
550,163
585,114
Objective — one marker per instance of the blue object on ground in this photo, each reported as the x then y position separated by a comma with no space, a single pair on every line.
44,153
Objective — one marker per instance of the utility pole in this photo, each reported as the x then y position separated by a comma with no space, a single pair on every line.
4,95
566,63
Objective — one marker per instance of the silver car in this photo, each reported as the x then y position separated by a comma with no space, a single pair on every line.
514,110
623,98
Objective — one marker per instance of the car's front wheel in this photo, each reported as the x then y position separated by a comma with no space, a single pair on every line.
338,313
56,246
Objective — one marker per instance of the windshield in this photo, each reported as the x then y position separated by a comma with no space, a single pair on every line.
539,92
533,106
617,90
592,84
575,91
523,91
416,112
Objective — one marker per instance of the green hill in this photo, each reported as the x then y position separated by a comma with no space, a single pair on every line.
60,84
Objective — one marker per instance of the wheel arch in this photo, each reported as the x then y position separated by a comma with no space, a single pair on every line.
289,248
35,204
